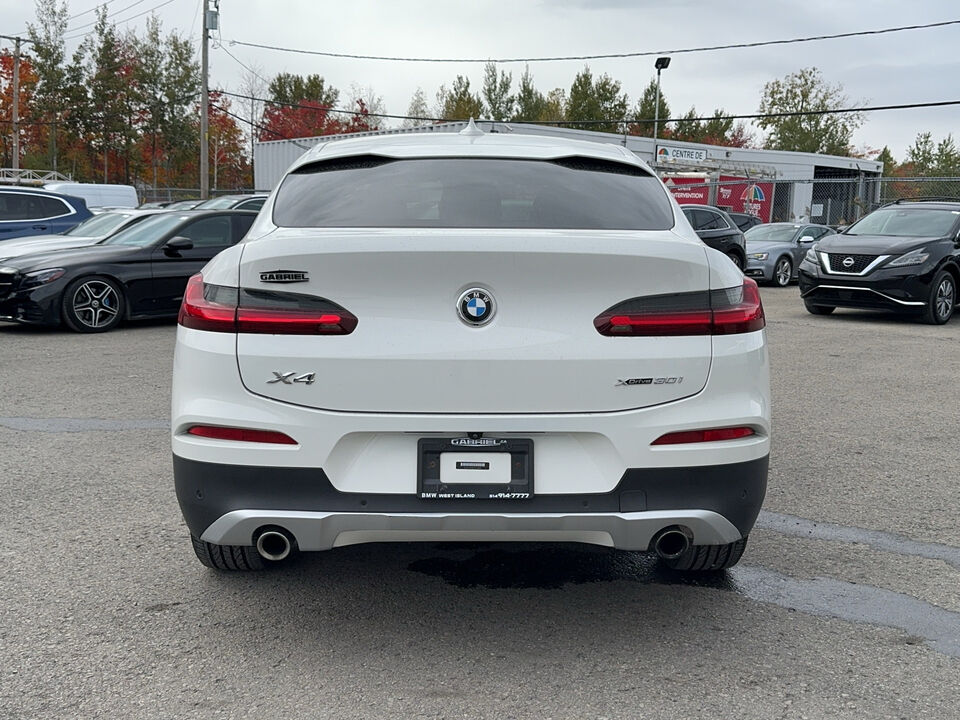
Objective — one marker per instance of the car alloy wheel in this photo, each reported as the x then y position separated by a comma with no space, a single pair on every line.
736,260
783,272
93,304
946,298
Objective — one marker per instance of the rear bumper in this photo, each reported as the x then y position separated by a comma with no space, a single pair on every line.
227,504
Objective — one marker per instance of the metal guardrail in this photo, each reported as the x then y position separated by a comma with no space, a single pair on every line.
20,176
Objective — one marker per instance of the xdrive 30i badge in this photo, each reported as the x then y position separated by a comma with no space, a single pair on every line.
283,276
476,307
650,381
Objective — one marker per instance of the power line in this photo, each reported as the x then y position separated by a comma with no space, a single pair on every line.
117,12
132,17
628,121
605,56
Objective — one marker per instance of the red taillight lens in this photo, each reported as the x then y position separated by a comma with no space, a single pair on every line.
698,436
241,434
223,309
203,310
717,312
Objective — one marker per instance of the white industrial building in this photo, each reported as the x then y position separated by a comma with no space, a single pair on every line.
806,187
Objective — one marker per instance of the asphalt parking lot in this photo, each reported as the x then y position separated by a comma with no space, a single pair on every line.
846,604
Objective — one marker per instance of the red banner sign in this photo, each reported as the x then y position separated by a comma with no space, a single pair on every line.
686,195
742,195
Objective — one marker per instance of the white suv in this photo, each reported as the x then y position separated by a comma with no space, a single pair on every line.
470,336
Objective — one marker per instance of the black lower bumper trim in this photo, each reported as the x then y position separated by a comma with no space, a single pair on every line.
208,490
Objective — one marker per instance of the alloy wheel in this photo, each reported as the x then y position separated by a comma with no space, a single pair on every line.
945,298
782,272
96,304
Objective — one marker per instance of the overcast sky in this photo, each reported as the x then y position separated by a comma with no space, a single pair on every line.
905,67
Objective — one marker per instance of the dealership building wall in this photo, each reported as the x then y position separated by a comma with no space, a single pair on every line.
807,187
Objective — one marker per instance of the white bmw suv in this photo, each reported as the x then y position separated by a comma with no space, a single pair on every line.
470,336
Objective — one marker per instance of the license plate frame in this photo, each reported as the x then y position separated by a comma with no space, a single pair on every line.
430,486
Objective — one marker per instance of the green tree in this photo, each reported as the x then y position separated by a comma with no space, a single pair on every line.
49,53
530,104
807,91
947,158
292,89
554,106
599,99
718,129
920,155
646,110
496,92
459,103
889,164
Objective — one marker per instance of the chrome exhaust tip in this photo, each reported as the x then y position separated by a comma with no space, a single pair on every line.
273,545
670,543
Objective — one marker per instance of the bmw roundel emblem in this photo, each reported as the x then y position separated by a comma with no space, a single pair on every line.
476,307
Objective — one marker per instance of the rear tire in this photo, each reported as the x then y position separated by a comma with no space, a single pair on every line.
819,309
707,558
737,260
943,298
227,557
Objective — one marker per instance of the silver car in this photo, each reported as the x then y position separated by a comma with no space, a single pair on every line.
774,250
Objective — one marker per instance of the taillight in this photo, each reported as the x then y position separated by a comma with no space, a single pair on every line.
698,436
714,312
241,434
224,309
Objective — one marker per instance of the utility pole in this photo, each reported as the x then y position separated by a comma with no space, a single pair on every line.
204,107
16,104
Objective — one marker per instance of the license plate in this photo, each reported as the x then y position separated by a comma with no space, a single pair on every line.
482,468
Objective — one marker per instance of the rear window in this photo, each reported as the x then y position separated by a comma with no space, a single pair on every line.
572,193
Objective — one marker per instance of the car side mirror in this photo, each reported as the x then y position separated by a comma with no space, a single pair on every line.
175,245
806,239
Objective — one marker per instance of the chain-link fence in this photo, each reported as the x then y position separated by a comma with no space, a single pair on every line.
834,201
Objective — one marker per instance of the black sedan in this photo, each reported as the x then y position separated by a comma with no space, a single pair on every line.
140,272
903,257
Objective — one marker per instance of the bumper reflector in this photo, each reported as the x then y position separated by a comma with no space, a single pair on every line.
241,435
697,436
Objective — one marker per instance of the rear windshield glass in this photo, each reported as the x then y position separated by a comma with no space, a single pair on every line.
574,193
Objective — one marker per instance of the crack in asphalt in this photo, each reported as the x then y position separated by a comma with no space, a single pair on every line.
72,425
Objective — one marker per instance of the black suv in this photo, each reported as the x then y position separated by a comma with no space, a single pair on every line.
903,257
717,230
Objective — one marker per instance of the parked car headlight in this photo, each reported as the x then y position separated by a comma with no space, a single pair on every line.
41,277
758,256
811,256
914,257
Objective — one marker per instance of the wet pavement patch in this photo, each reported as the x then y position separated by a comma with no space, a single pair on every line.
551,567
554,566
888,542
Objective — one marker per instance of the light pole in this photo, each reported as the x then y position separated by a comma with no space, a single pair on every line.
662,63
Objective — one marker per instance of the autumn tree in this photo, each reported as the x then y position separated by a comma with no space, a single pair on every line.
29,131
596,99
803,92
496,92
